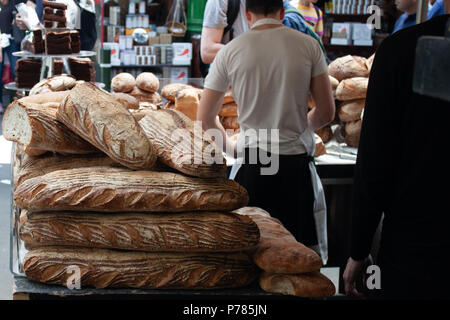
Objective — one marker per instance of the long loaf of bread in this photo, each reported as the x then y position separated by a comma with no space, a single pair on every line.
99,118
36,127
108,189
182,145
102,268
177,232
278,251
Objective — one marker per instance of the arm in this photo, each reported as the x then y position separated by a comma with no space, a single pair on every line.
207,112
324,111
210,43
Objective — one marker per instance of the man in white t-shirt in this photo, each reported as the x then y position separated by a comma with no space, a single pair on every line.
271,68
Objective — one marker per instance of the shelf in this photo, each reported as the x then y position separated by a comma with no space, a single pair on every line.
347,17
150,66
43,55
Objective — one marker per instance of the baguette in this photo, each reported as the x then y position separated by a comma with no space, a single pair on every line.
47,97
348,67
278,251
103,268
183,146
97,117
37,128
178,232
352,89
308,285
106,189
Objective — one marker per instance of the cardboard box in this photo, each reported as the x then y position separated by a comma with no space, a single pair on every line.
165,38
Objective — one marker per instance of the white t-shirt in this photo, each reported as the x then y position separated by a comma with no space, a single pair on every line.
270,73
215,16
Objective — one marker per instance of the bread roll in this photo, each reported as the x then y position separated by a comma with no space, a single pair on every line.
169,91
348,67
36,127
128,101
187,101
230,123
97,117
351,110
320,147
57,83
229,110
106,189
278,251
352,89
183,146
123,82
228,97
325,133
308,285
144,96
180,232
103,268
147,81
352,133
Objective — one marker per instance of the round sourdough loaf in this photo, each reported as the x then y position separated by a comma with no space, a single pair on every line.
351,110
325,133
169,91
123,82
145,96
147,81
352,89
348,67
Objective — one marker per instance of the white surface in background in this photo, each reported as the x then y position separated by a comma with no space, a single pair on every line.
5,151
333,274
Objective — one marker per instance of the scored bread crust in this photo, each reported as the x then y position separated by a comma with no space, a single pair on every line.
181,232
98,118
348,67
144,96
352,89
181,145
102,268
107,189
45,132
169,91
308,285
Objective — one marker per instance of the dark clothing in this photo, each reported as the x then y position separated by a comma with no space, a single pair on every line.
404,21
7,14
88,33
287,195
399,170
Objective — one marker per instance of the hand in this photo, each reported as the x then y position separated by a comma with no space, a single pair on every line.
353,272
20,23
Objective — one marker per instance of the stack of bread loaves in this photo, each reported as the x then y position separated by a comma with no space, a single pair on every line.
144,88
288,267
353,73
131,204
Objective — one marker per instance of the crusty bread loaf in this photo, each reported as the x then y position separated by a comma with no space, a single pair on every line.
177,232
106,189
36,127
98,118
57,83
325,133
182,145
228,97
230,123
187,101
123,82
278,251
369,62
352,89
348,67
47,97
147,81
144,96
38,166
351,110
128,101
102,268
229,110
334,83
352,133
169,92
308,285
320,146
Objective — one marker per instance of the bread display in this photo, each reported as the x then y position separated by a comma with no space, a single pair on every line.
98,118
229,110
126,100
182,145
36,126
278,251
169,91
56,83
351,110
102,268
147,81
351,89
187,101
106,189
325,133
320,146
334,83
123,82
352,133
144,96
181,232
348,67
228,97
308,285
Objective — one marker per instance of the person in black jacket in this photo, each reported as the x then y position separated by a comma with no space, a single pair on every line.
400,173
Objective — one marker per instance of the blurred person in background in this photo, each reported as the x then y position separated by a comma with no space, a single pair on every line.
408,18
311,13
435,8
